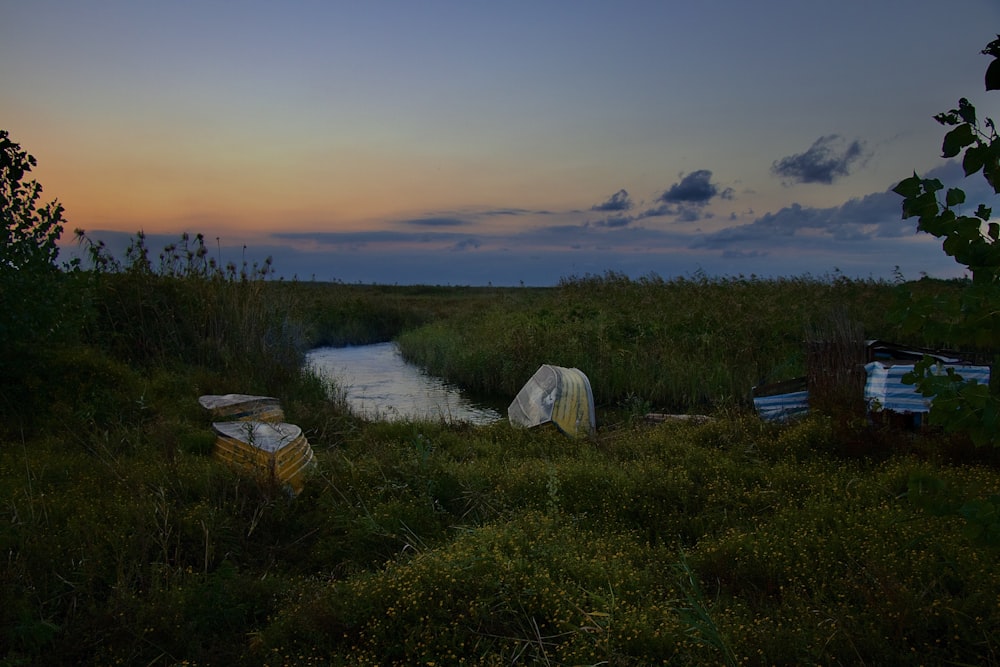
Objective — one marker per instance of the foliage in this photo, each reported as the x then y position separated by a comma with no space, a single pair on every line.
31,303
958,406
936,496
972,320
974,241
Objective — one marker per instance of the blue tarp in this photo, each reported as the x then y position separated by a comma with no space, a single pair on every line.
782,407
885,389
783,400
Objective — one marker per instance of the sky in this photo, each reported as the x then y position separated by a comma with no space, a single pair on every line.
505,143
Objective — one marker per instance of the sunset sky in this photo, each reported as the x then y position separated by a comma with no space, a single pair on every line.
468,142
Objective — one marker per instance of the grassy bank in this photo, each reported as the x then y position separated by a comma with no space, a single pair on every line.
733,542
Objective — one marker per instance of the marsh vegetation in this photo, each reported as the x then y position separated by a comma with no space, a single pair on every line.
733,541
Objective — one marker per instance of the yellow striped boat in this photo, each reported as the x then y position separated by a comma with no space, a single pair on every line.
274,451
242,407
558,395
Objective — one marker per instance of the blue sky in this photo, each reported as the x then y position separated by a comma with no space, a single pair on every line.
469,143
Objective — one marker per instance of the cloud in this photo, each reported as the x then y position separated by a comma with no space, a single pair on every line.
615,221
694,189
442,221
681,213
511,211
873,216
468,216
619,201
860,220
687,199
659,211
361,238
744,254
826,160
466,244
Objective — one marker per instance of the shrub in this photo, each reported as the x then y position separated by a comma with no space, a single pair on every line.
531,589
29,304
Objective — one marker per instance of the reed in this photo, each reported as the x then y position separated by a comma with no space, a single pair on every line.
684,344
187,305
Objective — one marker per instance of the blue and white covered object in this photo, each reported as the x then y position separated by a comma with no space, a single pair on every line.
782,401
885,389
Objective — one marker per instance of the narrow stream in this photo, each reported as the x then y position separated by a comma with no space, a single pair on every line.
380,384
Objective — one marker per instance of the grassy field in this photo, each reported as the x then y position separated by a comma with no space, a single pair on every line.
827,541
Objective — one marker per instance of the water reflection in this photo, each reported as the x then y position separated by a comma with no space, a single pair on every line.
380,384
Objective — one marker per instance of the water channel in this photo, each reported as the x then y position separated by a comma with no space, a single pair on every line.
379,384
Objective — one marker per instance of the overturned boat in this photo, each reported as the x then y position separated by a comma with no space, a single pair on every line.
558,395
782,401
242,407
276,452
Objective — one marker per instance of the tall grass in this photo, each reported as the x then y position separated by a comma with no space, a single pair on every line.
681,344
339,314
185,305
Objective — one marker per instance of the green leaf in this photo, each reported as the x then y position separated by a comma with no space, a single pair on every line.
967,111
957,139
950,118
923,206
991,171
953,245
908,187
954,197
975,158
993,76
932,184
983,213
993,48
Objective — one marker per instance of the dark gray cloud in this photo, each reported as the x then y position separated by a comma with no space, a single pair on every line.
659,211
686,200
468,217
873,216
744,254
441,221
692,214
358,238
615,221
466,244
861,220
828,159
680,212
511,211
694,189
619,201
